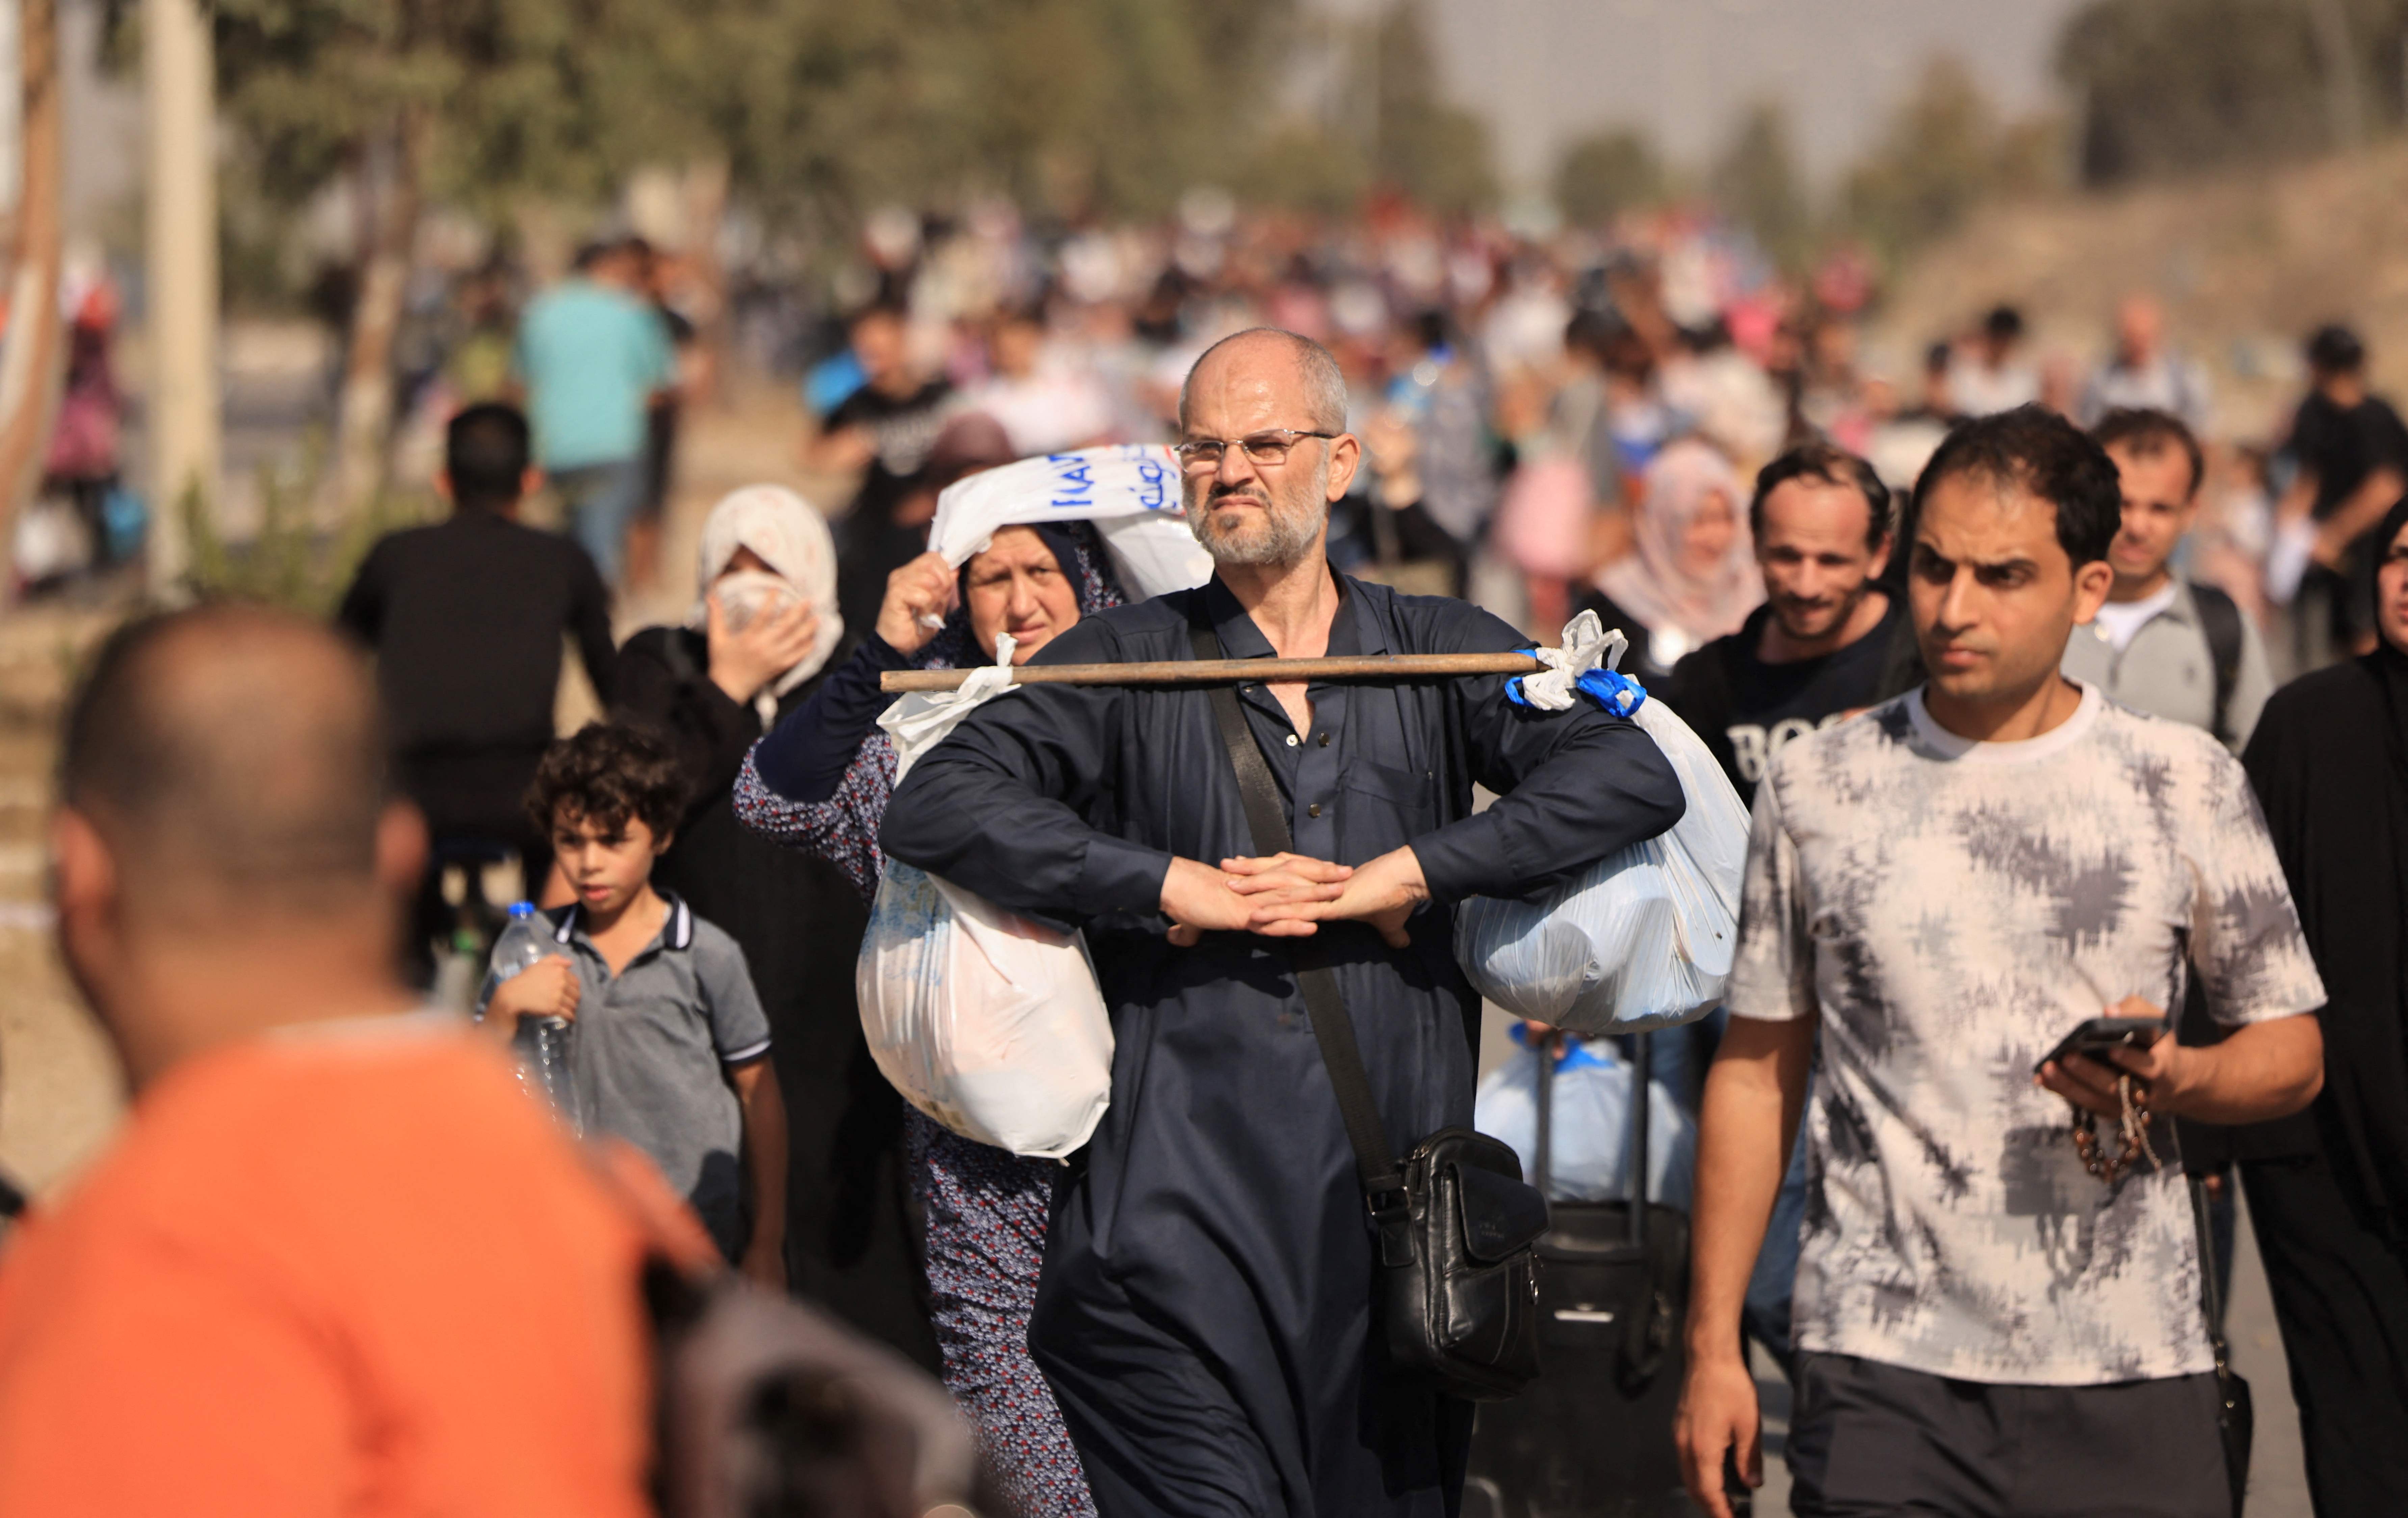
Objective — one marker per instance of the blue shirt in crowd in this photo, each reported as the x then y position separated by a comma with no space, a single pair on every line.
592,356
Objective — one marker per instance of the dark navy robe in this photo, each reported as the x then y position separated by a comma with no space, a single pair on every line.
1205,1313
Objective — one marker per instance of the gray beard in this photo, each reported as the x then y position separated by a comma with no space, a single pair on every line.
1282,540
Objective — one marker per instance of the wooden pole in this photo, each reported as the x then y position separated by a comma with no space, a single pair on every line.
182,230
1401,667
30,358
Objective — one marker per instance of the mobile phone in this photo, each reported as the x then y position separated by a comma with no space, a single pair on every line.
2100,1034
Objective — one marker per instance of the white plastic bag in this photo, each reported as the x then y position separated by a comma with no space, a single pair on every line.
990,1024
1644,937
1129,491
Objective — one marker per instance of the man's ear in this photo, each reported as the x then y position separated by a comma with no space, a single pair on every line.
2091,583
1879,565
400,849
1346,457
83,873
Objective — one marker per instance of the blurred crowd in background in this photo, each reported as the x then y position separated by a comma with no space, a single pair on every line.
1515,394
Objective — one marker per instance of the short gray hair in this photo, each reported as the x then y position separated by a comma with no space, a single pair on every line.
1324,383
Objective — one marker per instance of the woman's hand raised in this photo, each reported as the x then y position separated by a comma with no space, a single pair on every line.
918,596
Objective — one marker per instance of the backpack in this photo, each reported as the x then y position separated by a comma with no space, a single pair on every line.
767,1408
764,1407
2219,618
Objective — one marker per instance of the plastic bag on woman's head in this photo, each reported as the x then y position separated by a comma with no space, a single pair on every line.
1643,938
989,1023
1129,491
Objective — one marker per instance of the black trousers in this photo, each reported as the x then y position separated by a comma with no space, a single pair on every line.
2340,1298
1870,1440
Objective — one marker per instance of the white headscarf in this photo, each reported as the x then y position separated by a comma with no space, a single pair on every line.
1649,582
786,533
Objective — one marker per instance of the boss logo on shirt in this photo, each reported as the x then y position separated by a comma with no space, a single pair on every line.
1752,744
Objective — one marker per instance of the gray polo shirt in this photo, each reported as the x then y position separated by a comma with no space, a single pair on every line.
2168,670
651,1050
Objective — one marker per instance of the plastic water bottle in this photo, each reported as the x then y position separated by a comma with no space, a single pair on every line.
541,1043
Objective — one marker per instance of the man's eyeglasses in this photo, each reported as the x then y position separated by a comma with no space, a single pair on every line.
1270,448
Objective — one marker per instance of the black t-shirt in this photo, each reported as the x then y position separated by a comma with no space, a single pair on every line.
869,545
902,433
2342,446
465,618
1746,709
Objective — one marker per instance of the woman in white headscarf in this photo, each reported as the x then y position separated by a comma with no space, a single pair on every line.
762,635
1690,576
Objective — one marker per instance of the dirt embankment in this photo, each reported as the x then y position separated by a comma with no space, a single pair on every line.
2246,263
58,1089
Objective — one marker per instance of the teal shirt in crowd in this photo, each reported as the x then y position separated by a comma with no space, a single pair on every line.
592,357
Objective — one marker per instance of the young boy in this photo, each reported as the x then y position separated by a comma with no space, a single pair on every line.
671,1048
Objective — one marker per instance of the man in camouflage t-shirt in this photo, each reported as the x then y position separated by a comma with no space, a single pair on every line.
1947,886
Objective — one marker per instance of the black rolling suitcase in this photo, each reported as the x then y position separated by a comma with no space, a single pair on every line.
1593,1434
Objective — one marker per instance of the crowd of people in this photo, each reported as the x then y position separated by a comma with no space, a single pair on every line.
2044,719
1512,392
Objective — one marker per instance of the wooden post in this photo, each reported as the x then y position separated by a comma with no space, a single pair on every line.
178,65
30,364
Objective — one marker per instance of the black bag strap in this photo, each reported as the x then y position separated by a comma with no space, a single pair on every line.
1375,1162
2220,620
2211,1291
1643,1078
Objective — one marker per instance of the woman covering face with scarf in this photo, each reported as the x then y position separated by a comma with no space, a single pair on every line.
821,782
1690,576
2328,1189
759,642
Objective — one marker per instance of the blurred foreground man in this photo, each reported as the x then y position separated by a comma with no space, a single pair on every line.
1999,1303
337,1262
1205,1316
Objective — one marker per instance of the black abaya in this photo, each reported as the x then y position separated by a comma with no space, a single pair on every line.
852,1244
2328,1196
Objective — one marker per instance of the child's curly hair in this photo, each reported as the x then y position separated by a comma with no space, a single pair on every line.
605,774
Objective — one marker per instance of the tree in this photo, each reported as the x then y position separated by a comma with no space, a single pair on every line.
827,109
30,359
1601,176
811,111
1757,184
476,100
1940,155
1437,154
2175,86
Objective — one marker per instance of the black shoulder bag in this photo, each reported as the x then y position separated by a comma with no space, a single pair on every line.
2236,1416
1459,1282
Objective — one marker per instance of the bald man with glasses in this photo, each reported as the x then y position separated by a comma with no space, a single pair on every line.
1205,1317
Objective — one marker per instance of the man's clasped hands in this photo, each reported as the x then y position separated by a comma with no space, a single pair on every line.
1288,896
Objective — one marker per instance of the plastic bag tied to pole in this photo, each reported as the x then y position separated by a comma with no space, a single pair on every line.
1644,937
987,1021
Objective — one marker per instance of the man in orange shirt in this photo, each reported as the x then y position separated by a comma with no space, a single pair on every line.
337,1262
